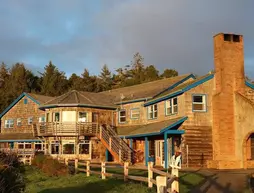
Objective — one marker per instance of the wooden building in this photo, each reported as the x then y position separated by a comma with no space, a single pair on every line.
208,119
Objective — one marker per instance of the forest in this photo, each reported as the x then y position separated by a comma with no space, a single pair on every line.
54,82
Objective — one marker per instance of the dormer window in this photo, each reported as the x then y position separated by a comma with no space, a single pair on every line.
122,116
199,103
171,106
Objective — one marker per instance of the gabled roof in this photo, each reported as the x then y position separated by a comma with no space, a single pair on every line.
144,91
38,99
179,89
156,128
78,98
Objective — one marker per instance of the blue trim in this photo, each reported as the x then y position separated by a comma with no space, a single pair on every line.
131,113
146,150
25,101
176,84
16,101
249,84
106,155
21,140
166,150
193,85
131,143
199,111
162,131
133,101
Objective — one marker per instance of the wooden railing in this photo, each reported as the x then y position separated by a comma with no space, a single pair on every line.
119,149
170,182
18,151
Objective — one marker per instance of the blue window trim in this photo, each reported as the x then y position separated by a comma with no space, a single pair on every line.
119,116
199,111
137,108
25,101
165,106
148,112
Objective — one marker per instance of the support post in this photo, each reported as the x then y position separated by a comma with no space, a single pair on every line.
166,150
66,161
146,150
150,174
76,165
126,171
106,155
175,183
131,143
88,168
103,170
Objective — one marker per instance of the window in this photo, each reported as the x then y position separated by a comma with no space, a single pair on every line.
24,145
171,106
82,117
39,146
42,119
199,103
54,147
18,121
227,37
30,120
56,117
25,101
47,117
122,116
84,147
135,113
9,123
68,147
236,38
152,112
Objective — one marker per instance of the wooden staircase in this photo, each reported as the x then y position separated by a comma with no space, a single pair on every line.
116,146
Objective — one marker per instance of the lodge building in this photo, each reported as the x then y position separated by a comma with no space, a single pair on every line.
209,119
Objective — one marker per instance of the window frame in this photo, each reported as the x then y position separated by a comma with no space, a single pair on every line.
28,120
131,113
68,142
54,117
204,102
55,143
25,101
19,122
7,122
119,116
80,121
171,106
84,142
40,119
152,110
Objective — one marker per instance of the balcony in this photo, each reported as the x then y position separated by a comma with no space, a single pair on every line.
67,129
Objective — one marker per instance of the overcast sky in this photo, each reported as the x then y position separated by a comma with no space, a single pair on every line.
78,34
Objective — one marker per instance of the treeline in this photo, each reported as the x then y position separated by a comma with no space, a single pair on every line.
53,82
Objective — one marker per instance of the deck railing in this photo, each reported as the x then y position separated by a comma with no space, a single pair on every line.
18,151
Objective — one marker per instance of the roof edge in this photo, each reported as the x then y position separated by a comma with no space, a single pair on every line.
133,101
77,105
16,101
249,84
201,81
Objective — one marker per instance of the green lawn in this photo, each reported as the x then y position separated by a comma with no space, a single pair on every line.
37,182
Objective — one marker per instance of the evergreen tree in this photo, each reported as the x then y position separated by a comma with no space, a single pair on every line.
137,69
89,82
151,73
105,78
75,82
168,73
54,82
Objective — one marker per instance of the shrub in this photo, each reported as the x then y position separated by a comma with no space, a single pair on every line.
11,179
50,166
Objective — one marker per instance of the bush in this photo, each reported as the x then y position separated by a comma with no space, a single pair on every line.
50,166
11,179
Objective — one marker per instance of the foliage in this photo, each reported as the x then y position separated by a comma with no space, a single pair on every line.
53,82
11,179
50,166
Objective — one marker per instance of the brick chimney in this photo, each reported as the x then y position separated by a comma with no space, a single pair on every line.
229,78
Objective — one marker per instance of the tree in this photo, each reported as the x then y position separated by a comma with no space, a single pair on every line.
75,82
151,73
89,82
54,82
168,73
137,71
105,78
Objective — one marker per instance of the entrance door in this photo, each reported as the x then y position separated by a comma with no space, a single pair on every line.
159,153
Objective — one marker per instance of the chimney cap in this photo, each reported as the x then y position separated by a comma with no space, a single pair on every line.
227,33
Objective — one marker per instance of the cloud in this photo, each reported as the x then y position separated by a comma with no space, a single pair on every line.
80,34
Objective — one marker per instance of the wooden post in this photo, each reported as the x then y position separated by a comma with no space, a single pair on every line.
30,160
175,184
150,174
66,161
103,170
88,168
120,155
76,165
126,171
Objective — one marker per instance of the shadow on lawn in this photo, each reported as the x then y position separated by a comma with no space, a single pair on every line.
92,187
212,182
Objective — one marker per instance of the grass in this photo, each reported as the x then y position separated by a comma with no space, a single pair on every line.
37,182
